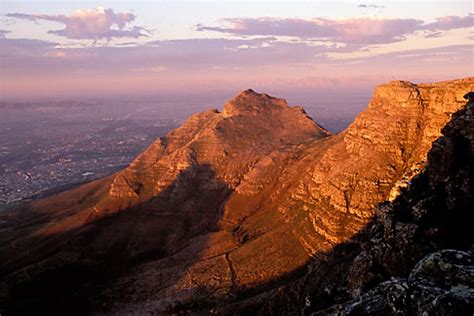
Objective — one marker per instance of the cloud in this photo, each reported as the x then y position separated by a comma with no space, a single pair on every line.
361,31
183,65
433,34
22,56
452,22
154,69
3,33
373,6
350,31
171,56
90,24
24,45
423,61
195,57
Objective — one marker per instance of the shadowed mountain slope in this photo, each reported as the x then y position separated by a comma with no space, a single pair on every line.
227,206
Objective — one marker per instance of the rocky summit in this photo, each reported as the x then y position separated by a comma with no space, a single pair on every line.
258,209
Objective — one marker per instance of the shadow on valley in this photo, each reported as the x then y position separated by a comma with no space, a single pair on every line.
135,256
67,272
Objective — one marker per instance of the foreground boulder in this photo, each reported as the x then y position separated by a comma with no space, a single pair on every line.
442,283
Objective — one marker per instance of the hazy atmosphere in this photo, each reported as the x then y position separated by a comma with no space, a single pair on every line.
84,48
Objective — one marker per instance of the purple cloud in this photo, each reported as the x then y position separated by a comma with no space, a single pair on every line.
462,53
90,24
372,6
210,63
351,31
451,22
433,34
23,44
186,56
362,31
22,52
3,33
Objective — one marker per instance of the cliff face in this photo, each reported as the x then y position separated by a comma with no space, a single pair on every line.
228,206
408,238
414,257
326,191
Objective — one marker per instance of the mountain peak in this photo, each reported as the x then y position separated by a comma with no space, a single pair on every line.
251,102
249,91
250,94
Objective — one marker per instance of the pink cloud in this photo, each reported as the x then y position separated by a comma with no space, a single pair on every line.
370,6
213,63
361,31
90,24
3,33
353,31
452,22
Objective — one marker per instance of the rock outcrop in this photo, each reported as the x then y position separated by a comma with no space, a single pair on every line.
442,283
397,264
433,213
223,211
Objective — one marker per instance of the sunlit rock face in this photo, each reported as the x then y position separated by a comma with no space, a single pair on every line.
230,143
231,203
314,196
414,257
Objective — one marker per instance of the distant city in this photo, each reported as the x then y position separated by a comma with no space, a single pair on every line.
49,146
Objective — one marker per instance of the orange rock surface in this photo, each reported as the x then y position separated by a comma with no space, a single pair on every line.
227,205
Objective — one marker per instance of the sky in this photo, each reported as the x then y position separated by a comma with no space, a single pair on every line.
145,47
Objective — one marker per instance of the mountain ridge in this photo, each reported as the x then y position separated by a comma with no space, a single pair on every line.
231,201
414,256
